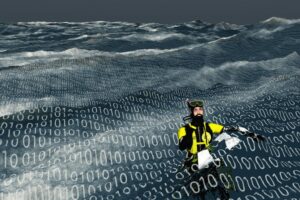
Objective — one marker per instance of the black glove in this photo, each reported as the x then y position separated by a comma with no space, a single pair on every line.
231,128
255,137
185,142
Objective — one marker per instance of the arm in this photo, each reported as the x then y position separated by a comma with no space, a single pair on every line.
215,128
230,129
245,132
184,140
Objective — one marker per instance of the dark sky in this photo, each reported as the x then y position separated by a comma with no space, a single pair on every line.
163,11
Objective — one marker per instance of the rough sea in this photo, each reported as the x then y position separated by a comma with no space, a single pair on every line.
91,110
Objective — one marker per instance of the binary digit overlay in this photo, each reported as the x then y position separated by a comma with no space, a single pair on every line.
92,110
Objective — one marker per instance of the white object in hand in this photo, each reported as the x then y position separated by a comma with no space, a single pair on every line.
242,129
229,140
232,142
223,136
204,158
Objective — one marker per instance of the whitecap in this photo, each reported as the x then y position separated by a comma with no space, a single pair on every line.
79,37
222,39
24,58
36,23
12,108
142,52
266,33
151,27
155,37
267,28
227,26
280,21
237,72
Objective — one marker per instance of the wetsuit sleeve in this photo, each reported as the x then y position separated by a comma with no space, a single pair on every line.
216,128
183,141
181,133
231,128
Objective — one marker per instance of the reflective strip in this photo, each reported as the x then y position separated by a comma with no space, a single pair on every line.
200,143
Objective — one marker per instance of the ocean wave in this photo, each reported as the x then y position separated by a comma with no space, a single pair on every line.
228,26
265,33
156,37
151,27
238,72
24,58
222,39
35,23
280,21
144,52
196,24
79,37
266,29
23,104
235,73
71,28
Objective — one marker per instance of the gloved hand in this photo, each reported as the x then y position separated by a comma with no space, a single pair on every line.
255,136
231,128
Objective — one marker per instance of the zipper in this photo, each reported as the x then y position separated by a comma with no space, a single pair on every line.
199,134
206,142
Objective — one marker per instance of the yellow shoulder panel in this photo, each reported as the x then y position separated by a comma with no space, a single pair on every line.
216,128
181,132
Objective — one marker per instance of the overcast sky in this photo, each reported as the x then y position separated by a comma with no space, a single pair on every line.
162,11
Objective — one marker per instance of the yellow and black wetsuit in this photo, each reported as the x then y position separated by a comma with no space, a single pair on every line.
196,138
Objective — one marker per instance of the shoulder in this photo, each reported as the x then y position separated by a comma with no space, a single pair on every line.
212,123
181,131
183,127
214,126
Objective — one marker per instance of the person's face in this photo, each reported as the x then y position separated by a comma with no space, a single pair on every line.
198,111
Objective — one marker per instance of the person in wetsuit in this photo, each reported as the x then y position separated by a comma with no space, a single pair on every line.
197,136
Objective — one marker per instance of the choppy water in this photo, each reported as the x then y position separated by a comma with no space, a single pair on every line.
91,110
